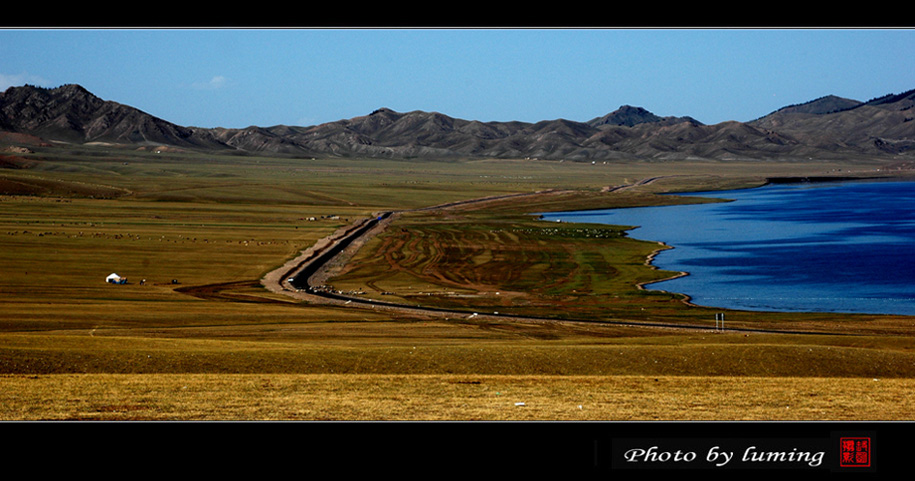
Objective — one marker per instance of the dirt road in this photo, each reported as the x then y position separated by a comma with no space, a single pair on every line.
303,277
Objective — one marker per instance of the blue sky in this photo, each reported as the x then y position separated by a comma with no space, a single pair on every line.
241,77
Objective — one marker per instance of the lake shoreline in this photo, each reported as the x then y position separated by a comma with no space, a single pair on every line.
649,261
805,302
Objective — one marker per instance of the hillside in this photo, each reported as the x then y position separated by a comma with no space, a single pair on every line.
829,127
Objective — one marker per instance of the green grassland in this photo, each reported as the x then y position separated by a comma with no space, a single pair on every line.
194,335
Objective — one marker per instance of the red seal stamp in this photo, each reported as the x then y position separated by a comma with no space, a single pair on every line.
855,452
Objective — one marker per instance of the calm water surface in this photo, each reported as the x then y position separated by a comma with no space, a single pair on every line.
830,247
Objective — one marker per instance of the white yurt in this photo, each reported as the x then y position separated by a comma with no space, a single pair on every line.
115,279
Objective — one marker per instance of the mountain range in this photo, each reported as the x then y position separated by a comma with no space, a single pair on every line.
829,127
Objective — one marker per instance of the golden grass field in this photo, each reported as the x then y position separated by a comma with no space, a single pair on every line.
201,339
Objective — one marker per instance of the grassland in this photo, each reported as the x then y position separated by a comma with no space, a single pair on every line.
200,339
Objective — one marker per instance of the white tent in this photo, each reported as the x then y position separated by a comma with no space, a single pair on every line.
115,279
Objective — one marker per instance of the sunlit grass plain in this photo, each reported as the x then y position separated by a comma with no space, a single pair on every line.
74,347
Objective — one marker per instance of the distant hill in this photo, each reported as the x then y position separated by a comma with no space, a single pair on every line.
828,127
831,125
823,105
630,116
71,114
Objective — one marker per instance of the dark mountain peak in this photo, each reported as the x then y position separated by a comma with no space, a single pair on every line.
630,116
626,115
631,109
373,122
383,111
67,92
901,101
71,113
72,89
823,105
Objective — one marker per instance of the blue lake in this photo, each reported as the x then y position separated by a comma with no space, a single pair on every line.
824,247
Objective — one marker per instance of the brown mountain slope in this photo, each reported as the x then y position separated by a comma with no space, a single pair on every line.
827,127
71,114
882,125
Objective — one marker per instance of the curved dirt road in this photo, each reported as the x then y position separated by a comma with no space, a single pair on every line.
302,277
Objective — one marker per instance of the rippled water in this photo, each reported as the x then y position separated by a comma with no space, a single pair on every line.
831,247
